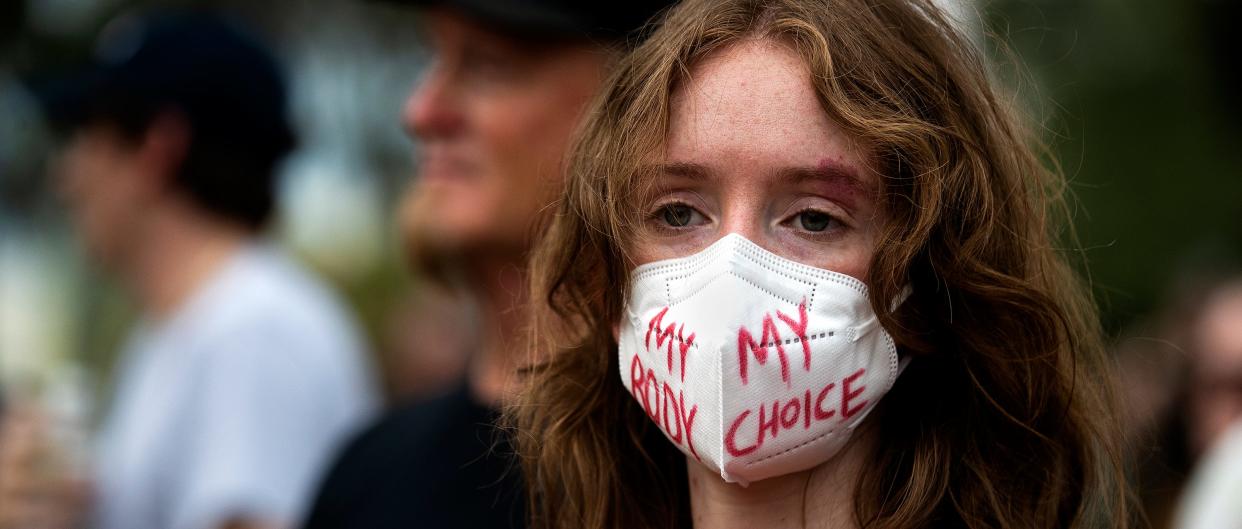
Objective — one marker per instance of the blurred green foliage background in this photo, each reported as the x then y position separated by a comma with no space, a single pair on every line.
1139,98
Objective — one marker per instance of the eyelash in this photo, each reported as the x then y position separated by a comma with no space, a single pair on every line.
834,229
656,217
836,226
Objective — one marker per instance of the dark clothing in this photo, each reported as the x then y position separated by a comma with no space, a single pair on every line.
430,464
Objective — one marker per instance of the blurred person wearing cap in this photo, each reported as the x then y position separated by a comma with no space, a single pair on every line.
493,117
1211,497
1215,349
1214,402
1182,374
245,372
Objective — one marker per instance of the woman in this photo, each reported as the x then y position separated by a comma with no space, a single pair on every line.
769,196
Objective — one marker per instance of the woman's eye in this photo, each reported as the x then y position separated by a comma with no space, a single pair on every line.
814,221
678,215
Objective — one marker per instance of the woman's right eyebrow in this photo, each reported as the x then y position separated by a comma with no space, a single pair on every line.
687,170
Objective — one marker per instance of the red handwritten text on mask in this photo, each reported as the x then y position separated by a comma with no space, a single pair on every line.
806,408
666,334
666,409
746,344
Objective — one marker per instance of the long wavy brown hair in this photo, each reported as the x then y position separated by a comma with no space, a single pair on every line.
1005,420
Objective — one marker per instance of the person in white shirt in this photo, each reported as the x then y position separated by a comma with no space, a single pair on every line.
1214,412
229,406
245,373
1211,497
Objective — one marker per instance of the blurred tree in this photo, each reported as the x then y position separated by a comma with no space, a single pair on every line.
1140,103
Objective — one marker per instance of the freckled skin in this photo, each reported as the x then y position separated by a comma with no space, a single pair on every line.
745,114
845,189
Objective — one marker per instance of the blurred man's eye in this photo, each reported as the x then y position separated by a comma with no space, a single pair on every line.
488,64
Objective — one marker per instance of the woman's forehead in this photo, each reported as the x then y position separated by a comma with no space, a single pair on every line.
751,106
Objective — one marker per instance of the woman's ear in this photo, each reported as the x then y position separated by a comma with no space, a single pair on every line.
616,332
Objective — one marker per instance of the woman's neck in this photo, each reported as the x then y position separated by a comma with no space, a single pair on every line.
818,498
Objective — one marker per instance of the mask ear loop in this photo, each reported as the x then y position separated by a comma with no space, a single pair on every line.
902,364
902,296
854,333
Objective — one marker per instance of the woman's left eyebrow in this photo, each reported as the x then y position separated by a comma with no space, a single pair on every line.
842,179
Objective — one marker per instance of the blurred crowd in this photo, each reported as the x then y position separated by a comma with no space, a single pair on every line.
230,298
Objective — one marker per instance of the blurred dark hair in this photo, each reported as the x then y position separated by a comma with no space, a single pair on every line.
232,178
211,71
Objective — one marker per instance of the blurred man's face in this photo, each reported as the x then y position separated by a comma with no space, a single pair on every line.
99,177
493,118
1216,383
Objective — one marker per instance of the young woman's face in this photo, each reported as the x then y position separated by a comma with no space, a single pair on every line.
751,151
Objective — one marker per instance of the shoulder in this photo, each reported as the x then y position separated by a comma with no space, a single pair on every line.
428,463
426,437
268,300
269,286
1211,495
405,443
421,424
268,326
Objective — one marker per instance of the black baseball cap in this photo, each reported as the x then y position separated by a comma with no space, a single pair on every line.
202,64
210,70
556,19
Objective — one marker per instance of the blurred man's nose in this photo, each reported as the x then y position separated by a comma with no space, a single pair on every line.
433,110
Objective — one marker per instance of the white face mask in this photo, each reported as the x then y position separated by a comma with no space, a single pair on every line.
754,365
